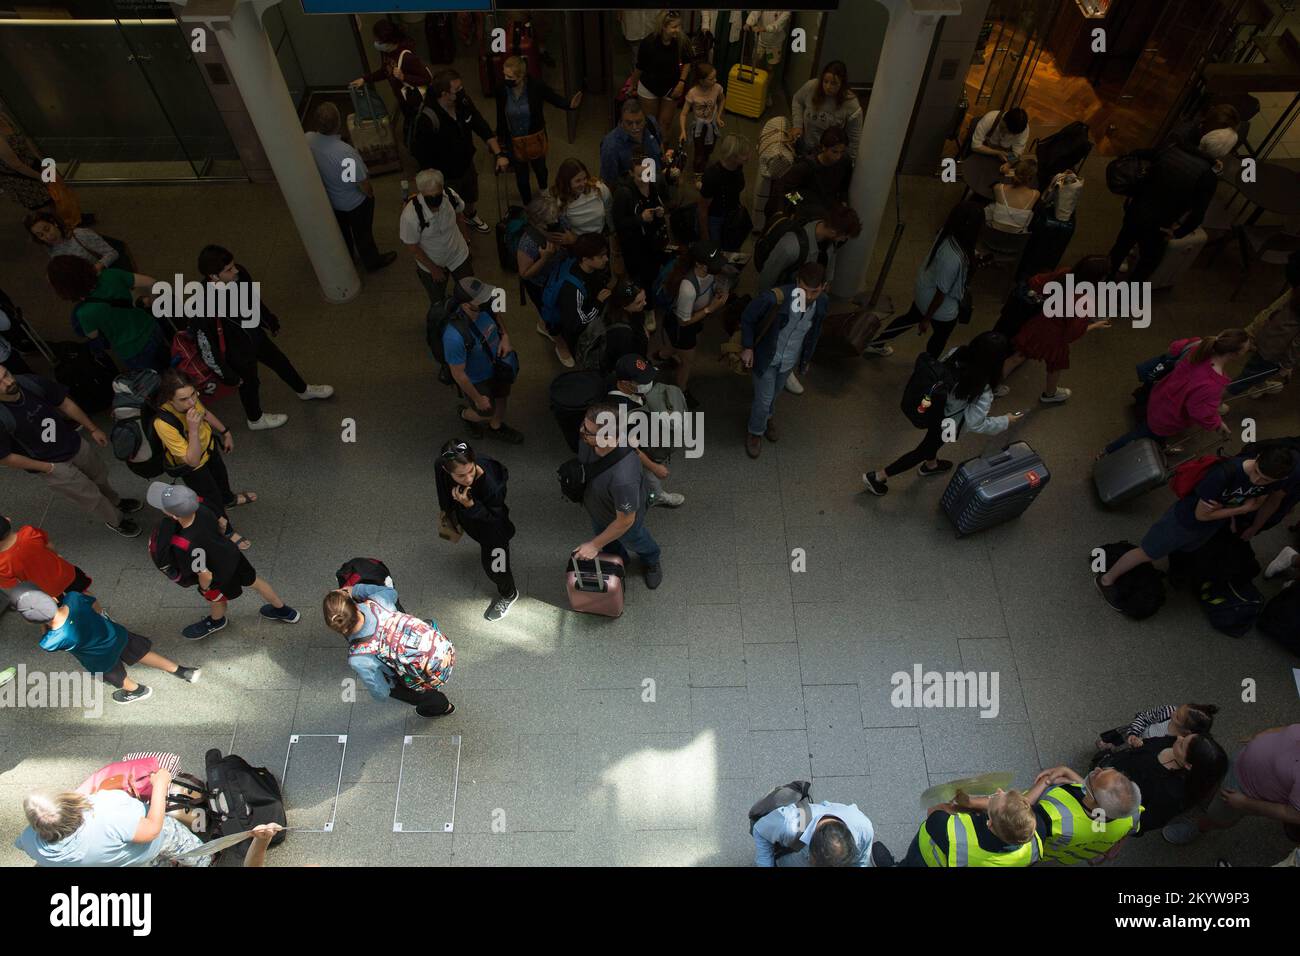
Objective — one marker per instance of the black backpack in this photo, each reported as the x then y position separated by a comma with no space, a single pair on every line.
366,571
926,391
1280,618
436,321
236,797
1140,593
783,222
1129,174
170,552
1067,148
575,476
1231,607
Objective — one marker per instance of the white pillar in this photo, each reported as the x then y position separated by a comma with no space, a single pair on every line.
899,76
261,83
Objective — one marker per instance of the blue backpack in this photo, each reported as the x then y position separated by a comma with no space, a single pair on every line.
661,296
551,292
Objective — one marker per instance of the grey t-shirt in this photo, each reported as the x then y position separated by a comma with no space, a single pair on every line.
622,487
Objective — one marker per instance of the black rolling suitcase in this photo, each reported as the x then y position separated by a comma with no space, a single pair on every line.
87,372
994,488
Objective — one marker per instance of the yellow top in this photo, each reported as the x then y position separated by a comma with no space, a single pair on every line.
177,443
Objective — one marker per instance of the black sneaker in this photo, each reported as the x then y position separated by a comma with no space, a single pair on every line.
201,629
129,506
131,696
874,485
940,467
188,674
127,528
285,614
1108,591
385,259
506,434
423,711
500,607
654,576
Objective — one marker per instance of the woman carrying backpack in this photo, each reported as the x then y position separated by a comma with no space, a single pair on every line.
690,295
942,285
974,370
1192,394
472,499
188,432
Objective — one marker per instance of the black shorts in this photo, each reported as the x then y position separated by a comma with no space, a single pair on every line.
243,577
494,388
680,336
80,581
136,648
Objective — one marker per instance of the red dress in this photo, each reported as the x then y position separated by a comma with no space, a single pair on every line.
1048,340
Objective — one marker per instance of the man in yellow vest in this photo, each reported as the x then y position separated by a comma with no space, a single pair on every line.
1004,835
1086,819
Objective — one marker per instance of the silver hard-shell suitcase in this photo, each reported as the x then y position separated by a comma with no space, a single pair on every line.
1128,472
994,487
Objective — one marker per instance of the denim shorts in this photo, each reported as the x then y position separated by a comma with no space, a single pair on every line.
1169,535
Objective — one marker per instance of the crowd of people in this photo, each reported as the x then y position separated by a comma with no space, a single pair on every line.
625,269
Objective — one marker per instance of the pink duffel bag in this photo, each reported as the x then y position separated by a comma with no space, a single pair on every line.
131,774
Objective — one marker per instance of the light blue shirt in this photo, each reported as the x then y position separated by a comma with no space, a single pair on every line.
103,839
947,274
781,828
789,341
329,153
372,671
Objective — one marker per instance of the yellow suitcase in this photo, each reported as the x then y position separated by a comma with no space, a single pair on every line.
747,90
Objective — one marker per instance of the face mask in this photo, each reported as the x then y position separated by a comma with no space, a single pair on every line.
434,201
511,83
645,389
385,47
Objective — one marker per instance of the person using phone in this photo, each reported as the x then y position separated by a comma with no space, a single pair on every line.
472,499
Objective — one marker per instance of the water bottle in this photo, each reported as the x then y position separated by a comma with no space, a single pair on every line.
406,191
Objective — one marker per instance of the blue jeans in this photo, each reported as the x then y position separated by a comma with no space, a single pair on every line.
767,386
1142,431
1256,370
637,538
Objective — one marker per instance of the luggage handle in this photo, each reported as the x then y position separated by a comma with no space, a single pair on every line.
41,345
742,67
578,576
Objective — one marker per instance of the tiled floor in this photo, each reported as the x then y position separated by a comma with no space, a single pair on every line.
760,673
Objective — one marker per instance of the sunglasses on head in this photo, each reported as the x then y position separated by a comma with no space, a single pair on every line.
459,448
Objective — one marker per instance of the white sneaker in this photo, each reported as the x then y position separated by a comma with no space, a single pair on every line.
543,331
565,360
316,391
650,322
1002,391
268,420
884,351
477,224
1281,564
1060,395
792,385
670,499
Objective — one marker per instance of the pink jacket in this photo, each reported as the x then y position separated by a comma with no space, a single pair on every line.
1189,395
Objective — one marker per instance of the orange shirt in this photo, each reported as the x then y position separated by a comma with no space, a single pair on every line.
30,559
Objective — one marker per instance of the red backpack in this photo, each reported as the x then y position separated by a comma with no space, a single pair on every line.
187,357
1188,475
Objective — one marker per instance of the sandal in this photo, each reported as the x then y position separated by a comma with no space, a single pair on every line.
243,498
239,541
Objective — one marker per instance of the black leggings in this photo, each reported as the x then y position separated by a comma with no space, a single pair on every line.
504,580
250,385
940,332
429,703
928,449
211,482
538,167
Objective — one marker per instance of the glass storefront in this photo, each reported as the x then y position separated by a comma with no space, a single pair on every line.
113,92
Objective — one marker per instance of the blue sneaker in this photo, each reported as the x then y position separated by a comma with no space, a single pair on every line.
286,614
197,632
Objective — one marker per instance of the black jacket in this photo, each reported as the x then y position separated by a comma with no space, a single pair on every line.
1181,186
240,345
538,93
447,144
489,519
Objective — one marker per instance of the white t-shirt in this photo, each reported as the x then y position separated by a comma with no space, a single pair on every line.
590,212
1001,139
688,303
441,239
